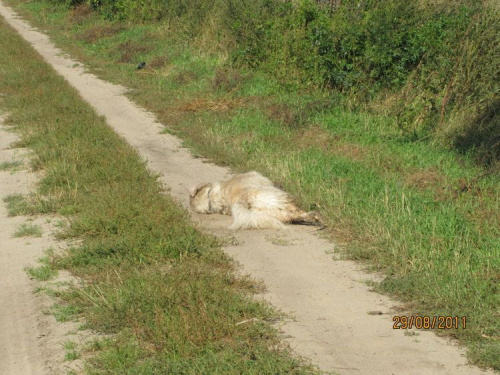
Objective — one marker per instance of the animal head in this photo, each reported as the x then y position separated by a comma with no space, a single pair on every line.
200,199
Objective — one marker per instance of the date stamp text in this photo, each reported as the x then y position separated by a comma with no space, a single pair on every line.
429,322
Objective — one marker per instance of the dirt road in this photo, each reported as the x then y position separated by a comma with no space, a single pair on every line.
331,304
31,341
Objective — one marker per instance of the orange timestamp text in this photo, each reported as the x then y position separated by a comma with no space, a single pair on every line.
429,322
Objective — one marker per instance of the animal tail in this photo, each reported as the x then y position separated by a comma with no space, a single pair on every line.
307,218
243,218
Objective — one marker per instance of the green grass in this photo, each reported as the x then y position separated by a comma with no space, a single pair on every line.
167,295
16,204
71,353
64,312
28,230
12,166
44,271
426,216
20,204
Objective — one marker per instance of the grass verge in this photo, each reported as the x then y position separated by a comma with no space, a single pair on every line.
167,294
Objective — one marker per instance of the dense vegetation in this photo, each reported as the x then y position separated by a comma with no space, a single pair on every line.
433,64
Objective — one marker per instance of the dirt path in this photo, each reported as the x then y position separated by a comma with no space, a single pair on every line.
31,342
19,351
331,305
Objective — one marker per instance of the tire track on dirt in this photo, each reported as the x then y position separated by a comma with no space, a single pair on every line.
328,299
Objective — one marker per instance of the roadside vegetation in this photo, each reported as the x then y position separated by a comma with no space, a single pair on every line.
28,230
381,115
166,296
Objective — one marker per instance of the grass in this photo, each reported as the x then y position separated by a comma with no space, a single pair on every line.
426,216
44,271
64,312
12,166
28,230
71,353
166,294
16,204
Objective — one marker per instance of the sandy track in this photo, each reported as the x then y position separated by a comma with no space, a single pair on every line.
331,305
19,309
31,342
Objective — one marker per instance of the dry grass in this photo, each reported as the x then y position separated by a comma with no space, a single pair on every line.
159,62
185,77
318,138
204,104
287,115
94,33
351,151
227,79
314,136
130,50
425,179
80,13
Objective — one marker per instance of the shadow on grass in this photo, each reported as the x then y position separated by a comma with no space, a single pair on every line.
482,135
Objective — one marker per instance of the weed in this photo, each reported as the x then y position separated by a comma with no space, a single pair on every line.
184,77
159,62
203,104
279,240
286,115
80,13
227,79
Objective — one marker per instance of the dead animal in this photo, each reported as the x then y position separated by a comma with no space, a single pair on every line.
252,200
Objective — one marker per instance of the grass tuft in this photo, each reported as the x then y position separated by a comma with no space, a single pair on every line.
16,204
71,353
64,313
28,230
44,271
12,166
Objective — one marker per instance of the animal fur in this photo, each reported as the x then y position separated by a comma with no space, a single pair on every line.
252,200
